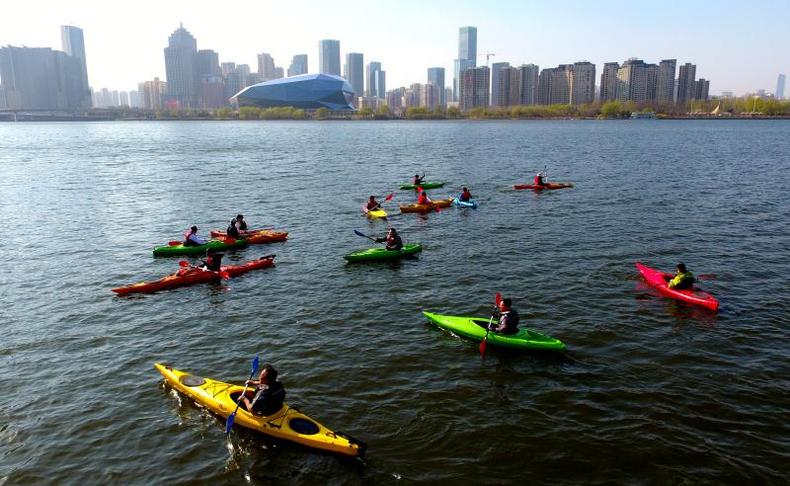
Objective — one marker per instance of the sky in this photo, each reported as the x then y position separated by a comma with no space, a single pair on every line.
740,46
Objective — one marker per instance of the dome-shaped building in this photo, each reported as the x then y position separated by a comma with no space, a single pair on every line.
306,91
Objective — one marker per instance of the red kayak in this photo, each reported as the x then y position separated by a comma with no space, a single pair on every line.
549,185
193,275
658,280
256,237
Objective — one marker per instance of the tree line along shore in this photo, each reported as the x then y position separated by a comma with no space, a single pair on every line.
731,108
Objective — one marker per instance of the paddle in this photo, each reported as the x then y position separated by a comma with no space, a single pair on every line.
484,342
232,417
359,233
378,205
174,243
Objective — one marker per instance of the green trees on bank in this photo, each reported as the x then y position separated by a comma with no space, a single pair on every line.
276,113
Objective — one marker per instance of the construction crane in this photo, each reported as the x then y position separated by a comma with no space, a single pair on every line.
488,56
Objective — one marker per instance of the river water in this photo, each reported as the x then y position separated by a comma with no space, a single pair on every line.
649,391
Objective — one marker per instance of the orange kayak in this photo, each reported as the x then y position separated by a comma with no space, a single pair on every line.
426,208
193,275
550,185
256,237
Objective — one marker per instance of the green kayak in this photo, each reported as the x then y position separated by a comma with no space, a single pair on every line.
475,328
424,185
377,254
176,250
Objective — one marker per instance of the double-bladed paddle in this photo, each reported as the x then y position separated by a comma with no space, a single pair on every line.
232,417
484,342
359,233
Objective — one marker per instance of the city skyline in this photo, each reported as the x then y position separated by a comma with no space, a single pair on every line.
119,58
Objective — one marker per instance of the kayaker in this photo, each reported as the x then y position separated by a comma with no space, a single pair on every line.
540,179
465,196
417,179
240,223
192,238
269,393
394,242
372,204
422,198
683,279
508,318
213,261
233,229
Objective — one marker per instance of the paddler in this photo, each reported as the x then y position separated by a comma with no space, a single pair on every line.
683,279
269,393
540,179
213,261
422,198
372,204
394,242
417,179
191,238
240,223
508,318
465,196
233,228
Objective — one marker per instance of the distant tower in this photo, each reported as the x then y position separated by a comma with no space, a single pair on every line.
665,87
329,57
780,87
180,68
355,75
436,78
298,65
686,83
74,45
467,55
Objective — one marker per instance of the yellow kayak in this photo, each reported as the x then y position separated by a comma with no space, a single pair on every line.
375,214
288,423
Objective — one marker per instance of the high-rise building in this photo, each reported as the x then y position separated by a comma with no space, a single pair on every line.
152,94
467,55
266,67
207,63
430,96
528,84
582,83
236,79
651,77
394,98
373,80
227,68
180,68
609,81
632,81
701,89
298,65
355,72
123,99
436,78
411,97
665,84
686,79
39,78
474,88
561,84
780,87
329,57
134,99
213,92
74,45
500,83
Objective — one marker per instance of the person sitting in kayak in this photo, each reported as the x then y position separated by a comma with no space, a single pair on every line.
269,393
233,229
423,198
508,318
394,242
192,238
465,196
372,204
213,261
540,179
417,179
683,279
240,223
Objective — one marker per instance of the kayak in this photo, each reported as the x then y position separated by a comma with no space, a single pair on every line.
550,185
256,237
658,280
193,275
424,185
465,204
426,208
216,245
288,423
475,328
374,214
378,254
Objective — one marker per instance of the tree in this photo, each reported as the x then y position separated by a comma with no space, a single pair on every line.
453,112
249,113
321,113
611,109
224,113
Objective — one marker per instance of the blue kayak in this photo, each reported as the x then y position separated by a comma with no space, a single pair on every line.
465,204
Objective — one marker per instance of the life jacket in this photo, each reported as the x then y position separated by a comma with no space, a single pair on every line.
188,241
465,196
213,262
510,320
394,242
682,281
232,231
372,205
538,180
417,181
423,198
268,399
242,225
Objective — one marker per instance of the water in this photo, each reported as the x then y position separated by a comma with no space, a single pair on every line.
651,390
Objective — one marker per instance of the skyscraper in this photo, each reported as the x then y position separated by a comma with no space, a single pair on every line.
780,87
74,45
329,57
298,65
701,89
582,83
500,83
180,68
355,72
266,67
467,55
686,87
665,84
436,78
528,84
207,63
632,81
609,81
474,88
39,78
430,96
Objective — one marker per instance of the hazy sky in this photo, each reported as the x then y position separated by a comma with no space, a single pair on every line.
739,45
